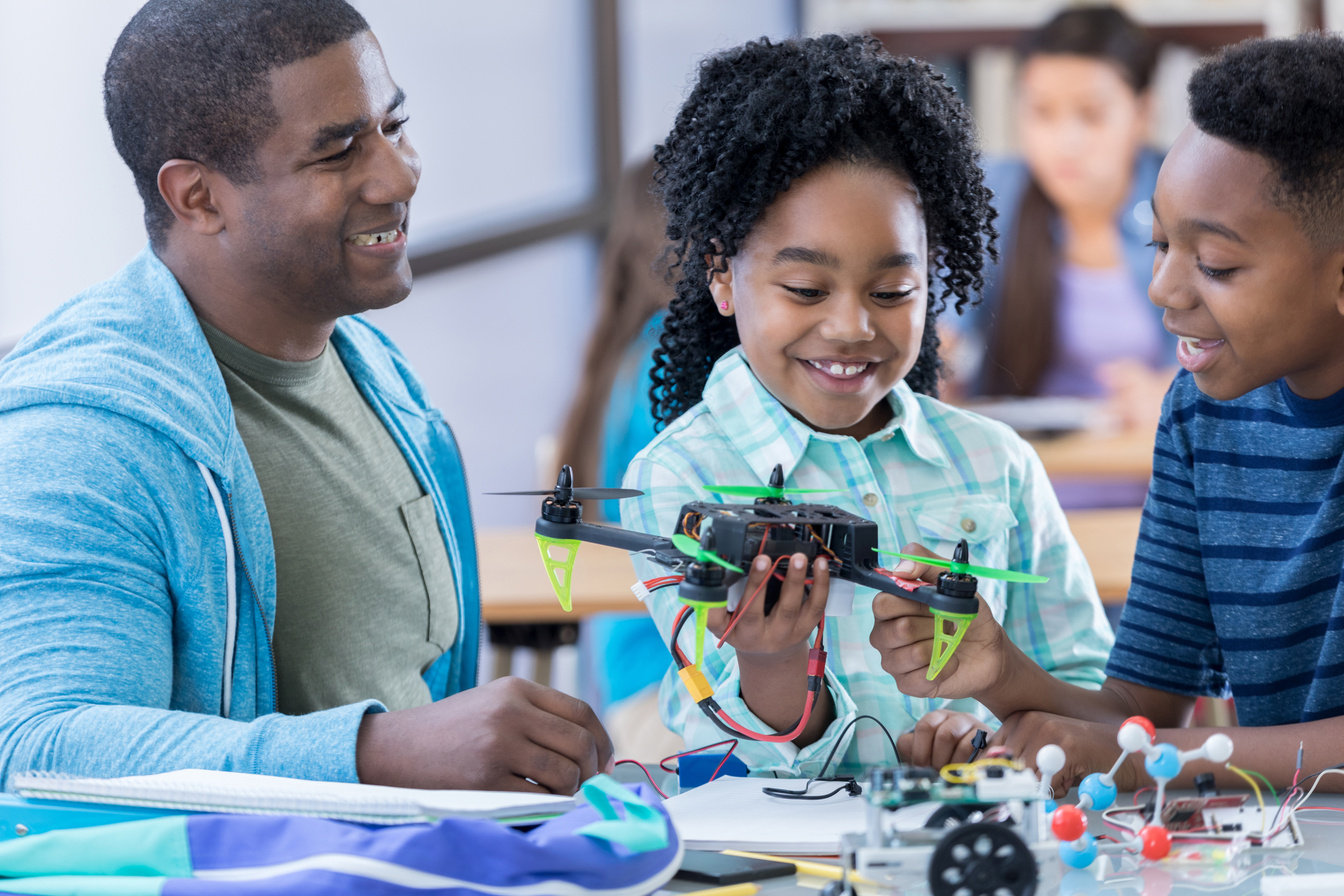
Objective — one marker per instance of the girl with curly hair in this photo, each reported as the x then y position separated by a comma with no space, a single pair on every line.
825,204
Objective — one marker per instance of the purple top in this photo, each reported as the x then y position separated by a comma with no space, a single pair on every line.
1101,316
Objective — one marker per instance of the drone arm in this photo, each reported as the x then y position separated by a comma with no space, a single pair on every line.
612,536
916,591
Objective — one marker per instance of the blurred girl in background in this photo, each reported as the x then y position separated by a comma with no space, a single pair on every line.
1067,310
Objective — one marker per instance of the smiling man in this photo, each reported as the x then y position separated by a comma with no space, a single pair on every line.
235,534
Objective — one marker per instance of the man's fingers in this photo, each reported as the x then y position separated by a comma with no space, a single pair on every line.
514,782
556,772
565,739
577,713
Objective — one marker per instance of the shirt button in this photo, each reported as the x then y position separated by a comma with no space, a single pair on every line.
968,525
870,499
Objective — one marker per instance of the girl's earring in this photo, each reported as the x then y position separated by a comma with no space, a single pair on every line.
723,306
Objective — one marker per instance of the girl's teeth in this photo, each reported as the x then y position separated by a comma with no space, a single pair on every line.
1192,345
838,369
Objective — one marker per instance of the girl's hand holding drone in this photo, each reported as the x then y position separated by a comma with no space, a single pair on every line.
790,622
772,648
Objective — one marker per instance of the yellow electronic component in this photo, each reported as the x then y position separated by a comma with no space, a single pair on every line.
696,683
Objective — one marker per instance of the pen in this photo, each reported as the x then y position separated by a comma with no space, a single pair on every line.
734,890
816,869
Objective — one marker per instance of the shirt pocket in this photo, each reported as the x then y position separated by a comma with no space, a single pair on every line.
422,523
984,521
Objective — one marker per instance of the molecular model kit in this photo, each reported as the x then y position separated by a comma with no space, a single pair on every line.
1154,829
995,824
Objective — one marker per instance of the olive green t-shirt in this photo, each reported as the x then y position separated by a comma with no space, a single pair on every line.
365,600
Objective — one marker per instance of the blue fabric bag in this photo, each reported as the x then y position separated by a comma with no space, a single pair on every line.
616,845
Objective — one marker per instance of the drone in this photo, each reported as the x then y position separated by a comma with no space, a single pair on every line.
714,542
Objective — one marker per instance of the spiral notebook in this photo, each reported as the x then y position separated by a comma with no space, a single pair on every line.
199,790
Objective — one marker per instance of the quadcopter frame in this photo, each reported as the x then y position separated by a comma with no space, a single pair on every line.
773,527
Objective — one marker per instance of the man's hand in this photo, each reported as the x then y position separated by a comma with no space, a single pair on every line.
1088,747
903,631
941,737
493,737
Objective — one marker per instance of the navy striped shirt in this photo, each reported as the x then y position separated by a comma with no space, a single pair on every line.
1236,587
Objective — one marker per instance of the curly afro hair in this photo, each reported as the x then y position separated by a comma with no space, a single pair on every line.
1284,100
190,79
764,114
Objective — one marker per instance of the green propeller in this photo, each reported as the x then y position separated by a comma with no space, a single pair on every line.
765,491
691,548
775,489
984,572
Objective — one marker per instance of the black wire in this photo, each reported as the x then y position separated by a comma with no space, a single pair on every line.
1318,774
848,785
852,722
978,743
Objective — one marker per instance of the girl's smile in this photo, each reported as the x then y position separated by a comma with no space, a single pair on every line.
829,293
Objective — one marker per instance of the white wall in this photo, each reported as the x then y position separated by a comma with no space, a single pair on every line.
69,213
662,42
500,103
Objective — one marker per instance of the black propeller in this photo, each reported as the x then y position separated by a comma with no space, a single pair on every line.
565,492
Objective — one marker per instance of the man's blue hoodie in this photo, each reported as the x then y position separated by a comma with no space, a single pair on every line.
137,575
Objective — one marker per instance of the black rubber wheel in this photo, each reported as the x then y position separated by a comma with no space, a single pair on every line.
982,859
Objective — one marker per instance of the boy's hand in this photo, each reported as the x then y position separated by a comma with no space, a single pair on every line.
941,737
1088,747
791,621
903,631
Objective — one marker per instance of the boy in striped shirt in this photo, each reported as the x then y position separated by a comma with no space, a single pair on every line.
1236,589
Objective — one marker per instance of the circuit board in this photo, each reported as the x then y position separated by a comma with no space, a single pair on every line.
892,788
1219,818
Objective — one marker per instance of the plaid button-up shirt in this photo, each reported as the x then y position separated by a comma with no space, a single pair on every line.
933,475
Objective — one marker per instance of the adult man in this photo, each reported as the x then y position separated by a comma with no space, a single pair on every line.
220,496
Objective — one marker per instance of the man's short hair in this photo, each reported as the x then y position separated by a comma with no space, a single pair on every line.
190,79
1284,99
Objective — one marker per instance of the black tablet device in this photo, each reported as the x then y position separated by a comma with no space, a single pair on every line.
717,868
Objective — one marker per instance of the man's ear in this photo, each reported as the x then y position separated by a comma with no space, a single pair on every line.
721,283
187,187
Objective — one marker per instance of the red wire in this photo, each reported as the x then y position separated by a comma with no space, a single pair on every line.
732,745
641,767
802,722
742,607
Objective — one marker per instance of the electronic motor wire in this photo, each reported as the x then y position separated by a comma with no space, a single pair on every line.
816,677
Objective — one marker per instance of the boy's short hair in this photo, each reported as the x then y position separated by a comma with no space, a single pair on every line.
1284,100
190,79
